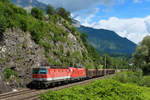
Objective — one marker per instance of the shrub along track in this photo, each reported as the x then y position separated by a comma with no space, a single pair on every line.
27,94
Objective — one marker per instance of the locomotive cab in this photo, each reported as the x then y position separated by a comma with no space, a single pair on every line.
39,74
46,76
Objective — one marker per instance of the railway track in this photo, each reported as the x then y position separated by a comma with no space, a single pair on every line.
11,94
28,94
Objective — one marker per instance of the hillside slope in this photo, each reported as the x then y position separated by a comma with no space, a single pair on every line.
27,42
108,41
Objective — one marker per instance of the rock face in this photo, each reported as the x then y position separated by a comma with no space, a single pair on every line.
3,86
19,53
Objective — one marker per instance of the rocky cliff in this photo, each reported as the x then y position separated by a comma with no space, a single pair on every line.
19,53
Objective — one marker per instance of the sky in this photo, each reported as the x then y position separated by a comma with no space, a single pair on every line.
128,18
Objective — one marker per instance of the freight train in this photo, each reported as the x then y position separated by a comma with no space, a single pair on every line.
46,76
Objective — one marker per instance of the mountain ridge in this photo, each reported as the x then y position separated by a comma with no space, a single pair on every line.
108,43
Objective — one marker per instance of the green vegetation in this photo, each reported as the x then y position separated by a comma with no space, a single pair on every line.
65,14
146,92
35,12
141,57
5,1
129,77
50,10
10,74
145,81
98,90
2,24
119,62
135,78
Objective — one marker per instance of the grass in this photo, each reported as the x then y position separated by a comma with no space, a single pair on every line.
146,92
107,89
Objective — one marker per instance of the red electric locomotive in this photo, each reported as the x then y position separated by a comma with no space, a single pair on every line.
50,75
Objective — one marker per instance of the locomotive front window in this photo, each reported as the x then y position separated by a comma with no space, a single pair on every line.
35,71
39,71
43,71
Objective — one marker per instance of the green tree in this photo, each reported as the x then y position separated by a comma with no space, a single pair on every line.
5,1
65,14
108,61
3,24
50,10
84,37
19,10
35,12
141,57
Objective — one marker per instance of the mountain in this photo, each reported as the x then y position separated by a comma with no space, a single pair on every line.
108,41
76,23
28,4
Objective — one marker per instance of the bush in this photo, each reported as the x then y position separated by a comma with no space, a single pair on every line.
47,46
8,73
5,1
50,10
21,23
3,24
128,77
65,14
37,31
19,10
35,12
145,81
97,90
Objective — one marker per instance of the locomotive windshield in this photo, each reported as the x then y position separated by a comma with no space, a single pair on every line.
43,71
39,71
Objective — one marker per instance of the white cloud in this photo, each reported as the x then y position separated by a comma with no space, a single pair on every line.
134,29
88,20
